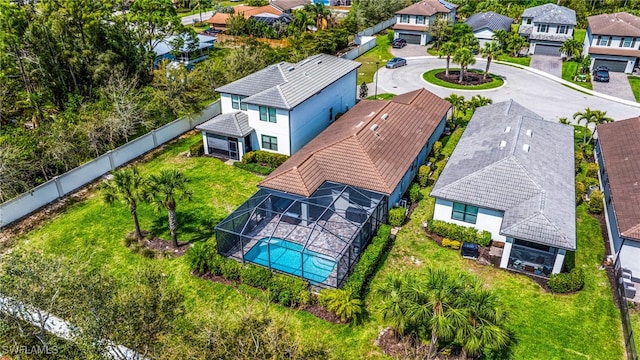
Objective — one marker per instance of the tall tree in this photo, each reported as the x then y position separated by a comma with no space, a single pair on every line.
501,36
515,43
440,31
457,101
164,190
490,51
448,49
585,117
127,186
571,48
463,57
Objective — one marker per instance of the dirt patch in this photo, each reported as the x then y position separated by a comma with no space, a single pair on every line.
164,247
214,278
470,78
321,312
405,347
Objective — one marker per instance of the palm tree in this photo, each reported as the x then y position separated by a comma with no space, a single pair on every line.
571,47
343,303
585,116
127,185
470,42
490,50
457,101
478,101
394,306
501,36
464,58
440,31
599,117
163,191
515,43
448,49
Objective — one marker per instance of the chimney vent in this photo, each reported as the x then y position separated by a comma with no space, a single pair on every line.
529,133
526,147
507,129
385,116
374,127
503,144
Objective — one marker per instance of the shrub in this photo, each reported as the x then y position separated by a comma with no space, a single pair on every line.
198,257
256,276
289,291
344,303
460,233
485,238
397,216
255,168
591,182
369,261
454,244
596,203
196,149
249,158
579,158
566,282
423,175
414,193
592,170
215,264
437,150
581,190
230,269
264,158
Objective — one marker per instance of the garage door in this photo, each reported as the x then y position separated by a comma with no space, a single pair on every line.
410,38
613,65
547,50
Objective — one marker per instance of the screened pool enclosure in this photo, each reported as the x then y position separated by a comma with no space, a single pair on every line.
318,238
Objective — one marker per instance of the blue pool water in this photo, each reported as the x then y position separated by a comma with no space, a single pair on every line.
285,257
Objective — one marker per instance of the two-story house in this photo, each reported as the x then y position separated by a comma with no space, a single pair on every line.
547,27
412,23
613,40
281,107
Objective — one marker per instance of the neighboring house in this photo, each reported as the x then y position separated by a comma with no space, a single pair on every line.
485,24
268,14
547,27
412,23
189,54
618,155
316,212
333,2
287,6
613,40
281,107
512,174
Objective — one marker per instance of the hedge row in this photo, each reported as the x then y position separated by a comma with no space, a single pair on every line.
454,244
567,282
459,232
253,167
287,290
396,216
264,158
369,261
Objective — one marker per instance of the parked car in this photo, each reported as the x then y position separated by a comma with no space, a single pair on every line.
601,73
396,62
398,43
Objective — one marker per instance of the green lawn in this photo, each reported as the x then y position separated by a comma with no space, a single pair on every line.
430,76
579,35
634,81
380,54
569,70
523,60
385,96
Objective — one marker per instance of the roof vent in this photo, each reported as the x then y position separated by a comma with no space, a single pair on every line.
526,147
319,62
529,133
374,127
507,129
360,124
385,116
371,114
503,144
291,68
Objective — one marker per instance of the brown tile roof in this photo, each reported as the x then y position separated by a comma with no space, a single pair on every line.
597,50
620,144
618,24
425,7
246,11
349,152
420,28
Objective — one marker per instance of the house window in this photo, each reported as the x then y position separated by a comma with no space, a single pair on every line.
604,41
236,102
420,20
464,212
561,29
270,142
529,21
267,114
543,28
404,19
330,114
627,42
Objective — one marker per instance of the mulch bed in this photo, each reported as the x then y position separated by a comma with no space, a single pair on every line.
471,78
404,347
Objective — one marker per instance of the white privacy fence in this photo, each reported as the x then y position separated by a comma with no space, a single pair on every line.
378,27
74,179
365,39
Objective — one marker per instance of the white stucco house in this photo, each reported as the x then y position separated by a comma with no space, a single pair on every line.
412,23
618,155
281,107
547,27
513,174
613,40
485,24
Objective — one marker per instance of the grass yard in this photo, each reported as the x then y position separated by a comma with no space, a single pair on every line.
634,81
385,96
523,60
569,71
380,53
430,77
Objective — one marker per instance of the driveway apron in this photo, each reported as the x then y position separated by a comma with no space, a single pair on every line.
618,86
549,64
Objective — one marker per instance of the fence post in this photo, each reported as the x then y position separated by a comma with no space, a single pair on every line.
56,180
155,140
111,161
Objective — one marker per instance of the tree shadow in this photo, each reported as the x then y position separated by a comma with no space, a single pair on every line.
194,225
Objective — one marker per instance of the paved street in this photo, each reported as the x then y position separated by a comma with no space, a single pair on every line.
546,97
192,19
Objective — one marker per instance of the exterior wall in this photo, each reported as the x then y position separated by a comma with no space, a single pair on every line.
308,119
630,61
552,29
557,267
506,253
488,219
419,160
279,129
483,36
425,38
592,40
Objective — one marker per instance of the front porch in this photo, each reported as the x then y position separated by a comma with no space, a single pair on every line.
532,258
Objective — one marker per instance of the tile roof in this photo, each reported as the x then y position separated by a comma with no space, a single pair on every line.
350,152
234,124
489,20
620,145
285,85
246,11
618,24
285,5
428,8
551,14
421,28
535,188
602,50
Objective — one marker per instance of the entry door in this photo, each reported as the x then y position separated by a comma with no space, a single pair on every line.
233,149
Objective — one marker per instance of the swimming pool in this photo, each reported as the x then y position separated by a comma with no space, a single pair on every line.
285,257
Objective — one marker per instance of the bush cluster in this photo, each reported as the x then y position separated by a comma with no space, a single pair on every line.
592,170
581,190
253,167
369,261
256,276
460,233
196,149
397,216
567,282
579,158
423,175
454,244
264,158
596,202
288,290
414,193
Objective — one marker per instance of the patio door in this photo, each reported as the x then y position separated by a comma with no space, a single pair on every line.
233,149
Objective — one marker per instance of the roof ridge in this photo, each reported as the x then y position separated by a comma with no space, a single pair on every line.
284,99
515,160
535,215
633,229
375,166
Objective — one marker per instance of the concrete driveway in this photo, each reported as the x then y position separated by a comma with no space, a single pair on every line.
549,64
192,19
617,86
544,96
410,51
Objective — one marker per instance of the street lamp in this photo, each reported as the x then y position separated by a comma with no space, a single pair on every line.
376,91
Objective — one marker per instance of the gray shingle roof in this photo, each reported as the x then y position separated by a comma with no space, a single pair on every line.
489,20
234,124
536,188
286,85
551,14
